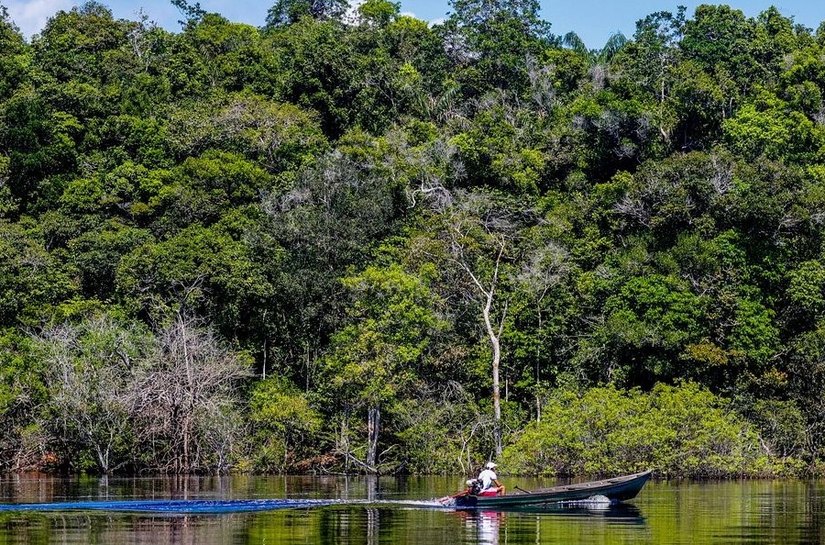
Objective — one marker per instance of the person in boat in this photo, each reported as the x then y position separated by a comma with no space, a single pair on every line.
489,481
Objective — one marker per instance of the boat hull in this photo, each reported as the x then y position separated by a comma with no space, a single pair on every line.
617,489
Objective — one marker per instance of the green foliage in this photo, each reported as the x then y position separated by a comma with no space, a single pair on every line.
22,393
501,33
768,127
214,53
382,211
647,324
806,369
379,12
781,427
376,358
32,281
317,58
201,189
14,56
492,153
285,12
81,44
439,432
40,144
277,136
286,425
807,288
732,33
681,431
212,270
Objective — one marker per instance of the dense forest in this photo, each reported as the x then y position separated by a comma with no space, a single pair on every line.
353,241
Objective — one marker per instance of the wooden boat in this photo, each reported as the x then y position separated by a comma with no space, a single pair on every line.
616,489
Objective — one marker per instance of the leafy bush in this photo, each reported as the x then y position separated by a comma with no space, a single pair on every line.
283,424
679,431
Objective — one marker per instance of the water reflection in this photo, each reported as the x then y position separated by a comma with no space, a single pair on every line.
80,528
373,525
772,512
483,527
486,527
617,513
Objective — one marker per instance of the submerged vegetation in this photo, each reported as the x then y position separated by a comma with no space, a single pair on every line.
358,242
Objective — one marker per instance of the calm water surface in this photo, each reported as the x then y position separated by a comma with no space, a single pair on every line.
672,513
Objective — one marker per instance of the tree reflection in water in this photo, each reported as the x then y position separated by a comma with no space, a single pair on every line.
681,513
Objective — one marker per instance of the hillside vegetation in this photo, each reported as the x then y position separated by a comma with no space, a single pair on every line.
358,242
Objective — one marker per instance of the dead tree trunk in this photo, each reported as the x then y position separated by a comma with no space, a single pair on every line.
373,427
494,335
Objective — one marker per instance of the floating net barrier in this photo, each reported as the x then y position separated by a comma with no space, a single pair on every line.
205,507
171,506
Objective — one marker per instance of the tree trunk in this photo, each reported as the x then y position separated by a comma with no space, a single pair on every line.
103,459
344,444
185,462
493,333
373,427
496,346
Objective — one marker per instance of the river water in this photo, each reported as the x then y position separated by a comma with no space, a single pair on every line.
664,513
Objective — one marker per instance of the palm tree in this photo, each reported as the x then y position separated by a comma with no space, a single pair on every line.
573,41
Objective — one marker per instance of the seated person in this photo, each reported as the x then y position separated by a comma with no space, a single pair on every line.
489,482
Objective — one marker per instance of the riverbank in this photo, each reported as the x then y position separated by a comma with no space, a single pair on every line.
681,431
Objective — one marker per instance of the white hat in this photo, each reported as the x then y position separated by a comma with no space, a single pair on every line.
490,465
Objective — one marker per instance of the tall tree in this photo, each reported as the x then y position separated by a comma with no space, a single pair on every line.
500,35
186,397
376,359
91,380
12,55
481,241
286,12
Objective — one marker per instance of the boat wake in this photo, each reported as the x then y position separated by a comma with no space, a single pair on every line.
183,507
427,504
593,502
